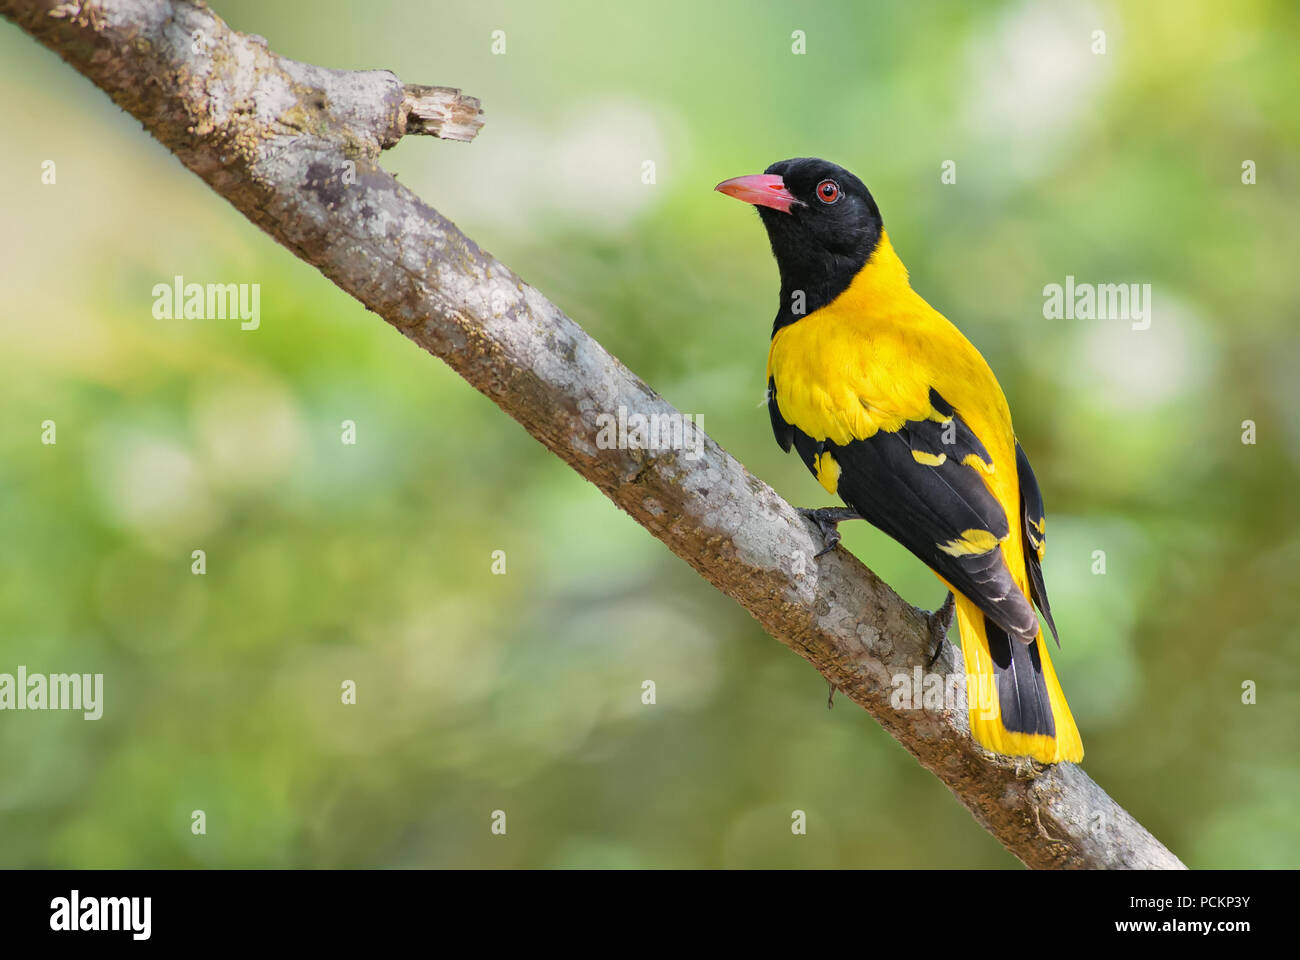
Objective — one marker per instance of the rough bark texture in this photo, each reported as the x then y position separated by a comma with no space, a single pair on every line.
275,137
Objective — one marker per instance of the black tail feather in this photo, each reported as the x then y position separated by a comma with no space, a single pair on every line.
1022,689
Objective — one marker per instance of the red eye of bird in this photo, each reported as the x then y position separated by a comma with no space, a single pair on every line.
828,191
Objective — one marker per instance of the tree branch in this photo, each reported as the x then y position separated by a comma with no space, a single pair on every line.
294,147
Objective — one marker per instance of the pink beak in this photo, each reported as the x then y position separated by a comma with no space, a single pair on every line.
760,189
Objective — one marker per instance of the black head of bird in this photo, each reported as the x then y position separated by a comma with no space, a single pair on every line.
821,220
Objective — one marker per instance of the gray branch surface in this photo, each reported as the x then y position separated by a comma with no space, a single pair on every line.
295,148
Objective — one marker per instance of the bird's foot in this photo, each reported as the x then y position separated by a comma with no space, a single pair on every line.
827,521
939,622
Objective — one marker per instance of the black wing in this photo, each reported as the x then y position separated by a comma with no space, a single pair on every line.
918,486
1034,518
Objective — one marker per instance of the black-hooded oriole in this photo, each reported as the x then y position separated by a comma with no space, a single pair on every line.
893,409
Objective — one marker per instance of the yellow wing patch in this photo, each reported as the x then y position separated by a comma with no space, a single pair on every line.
828,472
930,459
1039,543
970,542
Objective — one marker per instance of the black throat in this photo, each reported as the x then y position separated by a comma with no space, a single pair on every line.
812,275
806,288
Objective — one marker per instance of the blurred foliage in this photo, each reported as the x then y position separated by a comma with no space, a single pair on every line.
521,692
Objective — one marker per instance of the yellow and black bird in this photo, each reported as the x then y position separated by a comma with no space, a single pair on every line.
891,407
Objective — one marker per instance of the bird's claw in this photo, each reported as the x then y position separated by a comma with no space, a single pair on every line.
827,521
939,622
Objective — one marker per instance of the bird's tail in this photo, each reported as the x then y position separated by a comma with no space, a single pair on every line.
1016,704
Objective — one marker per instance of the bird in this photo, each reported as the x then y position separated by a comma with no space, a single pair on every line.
894,410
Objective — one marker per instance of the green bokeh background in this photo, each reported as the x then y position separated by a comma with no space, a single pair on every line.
521,692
